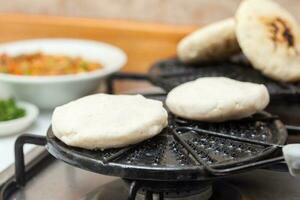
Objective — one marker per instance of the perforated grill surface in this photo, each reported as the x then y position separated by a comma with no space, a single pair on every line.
164,158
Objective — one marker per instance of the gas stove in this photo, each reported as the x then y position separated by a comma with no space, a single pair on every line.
48,178
54,179
60,181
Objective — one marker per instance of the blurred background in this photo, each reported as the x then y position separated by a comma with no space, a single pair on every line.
164,11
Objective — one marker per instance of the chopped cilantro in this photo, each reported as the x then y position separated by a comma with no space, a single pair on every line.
9,110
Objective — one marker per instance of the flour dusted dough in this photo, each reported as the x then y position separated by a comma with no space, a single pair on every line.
213,42
270,38
104,121
217,99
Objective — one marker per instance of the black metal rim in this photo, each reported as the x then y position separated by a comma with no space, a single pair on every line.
177,173
62,152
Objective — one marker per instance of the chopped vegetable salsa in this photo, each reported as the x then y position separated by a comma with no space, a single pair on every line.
39,64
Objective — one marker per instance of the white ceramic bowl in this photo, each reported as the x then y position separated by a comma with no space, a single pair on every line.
17,125
48,92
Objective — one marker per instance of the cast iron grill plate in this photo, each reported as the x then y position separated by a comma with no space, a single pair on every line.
165,158
170,73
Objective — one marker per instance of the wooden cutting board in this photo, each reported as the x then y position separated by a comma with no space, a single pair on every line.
144,43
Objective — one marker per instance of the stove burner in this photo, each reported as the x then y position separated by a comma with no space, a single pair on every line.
170,190
204,195
200,192
145,190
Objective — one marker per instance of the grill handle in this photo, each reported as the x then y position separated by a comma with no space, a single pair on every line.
214,171
291,157
245,167
291,153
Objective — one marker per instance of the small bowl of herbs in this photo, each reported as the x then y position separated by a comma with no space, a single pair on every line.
16,116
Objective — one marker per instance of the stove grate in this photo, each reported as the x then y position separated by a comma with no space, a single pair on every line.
170,73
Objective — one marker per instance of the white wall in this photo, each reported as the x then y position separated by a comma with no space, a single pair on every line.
165,11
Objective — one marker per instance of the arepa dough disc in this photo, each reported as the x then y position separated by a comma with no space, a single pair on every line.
104,121
270,38
213,42
217,99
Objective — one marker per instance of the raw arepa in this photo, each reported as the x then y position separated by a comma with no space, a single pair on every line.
270,38
213,42
217,99
104,121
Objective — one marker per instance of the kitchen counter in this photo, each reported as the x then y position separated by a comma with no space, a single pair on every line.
7,143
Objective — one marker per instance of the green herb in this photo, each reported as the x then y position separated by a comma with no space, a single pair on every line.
9,110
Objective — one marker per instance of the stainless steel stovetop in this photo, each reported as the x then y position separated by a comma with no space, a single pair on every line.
60,181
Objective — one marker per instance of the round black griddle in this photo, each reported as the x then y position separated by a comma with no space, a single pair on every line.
184,151
170,73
